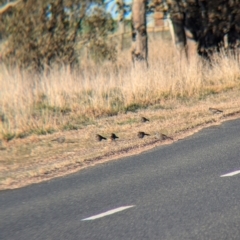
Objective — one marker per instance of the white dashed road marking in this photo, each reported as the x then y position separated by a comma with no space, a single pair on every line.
110,212
231,174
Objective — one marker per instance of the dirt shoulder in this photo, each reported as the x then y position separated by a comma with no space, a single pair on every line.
39,158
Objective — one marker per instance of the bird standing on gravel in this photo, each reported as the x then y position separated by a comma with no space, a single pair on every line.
215,110
143,119
113,137
142,134
162,136
59,140
100,138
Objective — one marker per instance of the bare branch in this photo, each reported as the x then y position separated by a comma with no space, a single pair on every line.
8,6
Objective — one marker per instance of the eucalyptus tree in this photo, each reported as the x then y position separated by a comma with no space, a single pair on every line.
186,22
121,8
98,24
139,49
6,5
121,12
140,9
202,26
40,33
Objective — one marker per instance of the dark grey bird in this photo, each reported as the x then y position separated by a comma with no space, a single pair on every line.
113,137
142,134
162,136
215,110
100,138
59,140
143,119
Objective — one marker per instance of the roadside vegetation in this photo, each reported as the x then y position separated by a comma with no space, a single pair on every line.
65,99
64,76
175,95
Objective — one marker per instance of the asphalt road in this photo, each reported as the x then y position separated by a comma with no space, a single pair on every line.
175,191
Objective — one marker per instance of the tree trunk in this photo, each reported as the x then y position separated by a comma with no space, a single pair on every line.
191,46
139,32
121,27
121,24
184,23
177,18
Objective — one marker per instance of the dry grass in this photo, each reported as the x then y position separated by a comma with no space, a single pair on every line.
65,100
174,94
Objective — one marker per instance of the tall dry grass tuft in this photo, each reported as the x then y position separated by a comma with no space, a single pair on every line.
65,100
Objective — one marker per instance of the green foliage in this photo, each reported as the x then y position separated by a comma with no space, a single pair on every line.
69,127
43,33
22,135
8,136
39,34
213,24
97,26
129,121
42,131
133,107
